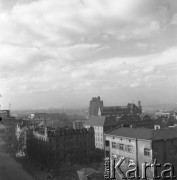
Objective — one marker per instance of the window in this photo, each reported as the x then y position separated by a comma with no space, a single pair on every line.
146,152
107,153
121,147
130,148
107,143
113,145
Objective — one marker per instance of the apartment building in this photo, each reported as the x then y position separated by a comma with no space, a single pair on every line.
140,145
143,121
78,124
101,124
51,148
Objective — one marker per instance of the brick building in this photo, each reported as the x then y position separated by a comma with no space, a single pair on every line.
140,145
96,108
115,111
51,148
96,105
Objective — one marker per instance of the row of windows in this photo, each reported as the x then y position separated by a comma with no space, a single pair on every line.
98,139
98,127
98,145
122,147
99,134
6,130
129,148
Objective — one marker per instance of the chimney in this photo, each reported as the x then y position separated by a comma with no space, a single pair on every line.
139,103
99,112
140,107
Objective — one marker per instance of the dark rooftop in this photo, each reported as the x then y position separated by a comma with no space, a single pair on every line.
143,133
61,131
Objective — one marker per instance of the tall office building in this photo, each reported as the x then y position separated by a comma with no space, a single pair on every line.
96,105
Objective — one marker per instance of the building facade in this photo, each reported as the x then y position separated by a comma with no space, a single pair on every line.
52,148
116,111
78,124
101,124
140,145
7,132
136,121
96,105
97,108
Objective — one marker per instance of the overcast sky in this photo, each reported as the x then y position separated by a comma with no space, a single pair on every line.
63,52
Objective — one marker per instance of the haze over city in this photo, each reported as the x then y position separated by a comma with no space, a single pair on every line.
62,53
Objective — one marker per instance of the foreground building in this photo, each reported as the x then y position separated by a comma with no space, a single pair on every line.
7,132
140,145
52,148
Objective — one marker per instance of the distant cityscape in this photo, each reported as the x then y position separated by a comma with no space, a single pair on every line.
56,145
88,89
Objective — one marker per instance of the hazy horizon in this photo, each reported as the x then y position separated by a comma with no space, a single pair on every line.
151,107
62,53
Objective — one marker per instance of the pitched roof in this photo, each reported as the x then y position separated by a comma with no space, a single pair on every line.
100,121
143,133
96,121
114,107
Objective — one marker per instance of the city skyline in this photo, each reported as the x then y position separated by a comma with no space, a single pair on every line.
56,53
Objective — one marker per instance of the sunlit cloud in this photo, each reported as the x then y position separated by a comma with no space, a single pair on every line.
61,49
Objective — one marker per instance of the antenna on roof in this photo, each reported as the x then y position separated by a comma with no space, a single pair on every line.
9,106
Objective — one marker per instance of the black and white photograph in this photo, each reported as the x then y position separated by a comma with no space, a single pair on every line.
88,89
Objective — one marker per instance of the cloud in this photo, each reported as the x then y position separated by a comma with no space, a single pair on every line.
132,85
174,19
59,48
148,69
